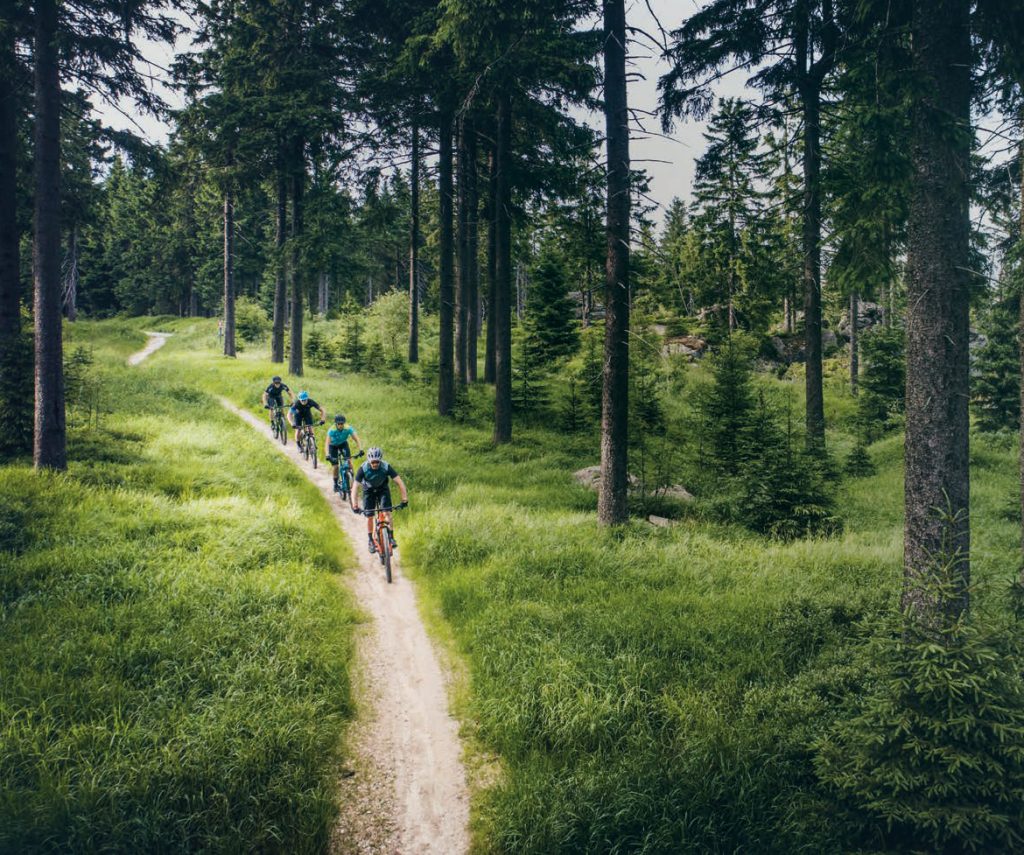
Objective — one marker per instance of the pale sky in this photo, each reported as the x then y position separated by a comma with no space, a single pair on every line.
669,160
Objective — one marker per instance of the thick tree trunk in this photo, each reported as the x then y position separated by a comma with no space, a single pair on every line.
446,368
472,260
298,186
462,277
611,505
10,260
280,285
937,487
414,247
229,274
854,341
492,257
50,435
501,313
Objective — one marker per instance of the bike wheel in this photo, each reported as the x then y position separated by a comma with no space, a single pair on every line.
313,452
385,554
344,486
273,427
282,432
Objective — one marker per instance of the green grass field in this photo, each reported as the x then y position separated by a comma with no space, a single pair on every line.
649,689
174,639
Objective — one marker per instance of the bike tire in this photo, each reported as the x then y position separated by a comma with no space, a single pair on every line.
315,458
282,433
385,555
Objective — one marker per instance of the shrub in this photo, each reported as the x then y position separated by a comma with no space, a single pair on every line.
16,404
251,321
882,381
932,758
859,463
995,385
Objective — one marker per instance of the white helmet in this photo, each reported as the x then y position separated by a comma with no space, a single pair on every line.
375,454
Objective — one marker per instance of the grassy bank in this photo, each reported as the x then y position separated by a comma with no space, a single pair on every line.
173,638
648,689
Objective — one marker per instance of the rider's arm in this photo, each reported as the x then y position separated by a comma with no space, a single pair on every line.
401,486
359,445
356,490
265,398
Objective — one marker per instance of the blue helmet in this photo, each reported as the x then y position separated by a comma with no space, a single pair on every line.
303,396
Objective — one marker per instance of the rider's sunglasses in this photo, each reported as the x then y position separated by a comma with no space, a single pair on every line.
375,463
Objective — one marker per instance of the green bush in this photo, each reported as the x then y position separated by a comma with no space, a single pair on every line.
251,321
880,402
995,384
932,757
16,416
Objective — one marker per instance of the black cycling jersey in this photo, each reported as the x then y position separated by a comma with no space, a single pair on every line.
277,392
305,409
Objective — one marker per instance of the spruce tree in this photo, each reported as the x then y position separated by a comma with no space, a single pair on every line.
996,376
549,324
880,403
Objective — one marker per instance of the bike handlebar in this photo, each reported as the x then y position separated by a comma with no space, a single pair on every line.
370,512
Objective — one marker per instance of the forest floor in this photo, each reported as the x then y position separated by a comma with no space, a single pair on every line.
405,790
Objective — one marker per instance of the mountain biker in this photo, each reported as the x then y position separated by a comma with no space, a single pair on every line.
337,450
301,412
275,392
374,478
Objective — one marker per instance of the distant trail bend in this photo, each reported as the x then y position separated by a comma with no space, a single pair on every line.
156,341
408,793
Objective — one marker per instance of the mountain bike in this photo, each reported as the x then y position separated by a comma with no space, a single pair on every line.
382,535
277,424
345,475
307,442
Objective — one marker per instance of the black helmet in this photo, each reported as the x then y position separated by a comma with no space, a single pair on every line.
339,419
275,379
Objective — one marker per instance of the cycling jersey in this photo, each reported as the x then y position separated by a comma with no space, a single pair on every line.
375,479
276,393
339,436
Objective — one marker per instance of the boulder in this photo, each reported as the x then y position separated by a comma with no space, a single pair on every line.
829,341
679,493
687,345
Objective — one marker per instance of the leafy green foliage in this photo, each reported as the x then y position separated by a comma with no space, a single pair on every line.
728,405
932,756
995,384
882,381
16,415
251,323
549,324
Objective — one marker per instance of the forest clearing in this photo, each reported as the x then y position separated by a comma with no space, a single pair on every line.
673,363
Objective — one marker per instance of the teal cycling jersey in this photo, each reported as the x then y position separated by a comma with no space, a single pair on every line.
375,478
336,436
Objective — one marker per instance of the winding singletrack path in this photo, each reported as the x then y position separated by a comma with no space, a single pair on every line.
406,791
156,341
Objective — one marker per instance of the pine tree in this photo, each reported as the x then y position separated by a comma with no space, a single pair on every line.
727,406
995,384
880,403
549,324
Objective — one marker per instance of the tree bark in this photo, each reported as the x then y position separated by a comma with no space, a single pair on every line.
612,505
812,273
446,368
472,260
229,274
501,314
492,277
49,448
414,248
10,252
298,185
462,277
280,286
854,342
937,486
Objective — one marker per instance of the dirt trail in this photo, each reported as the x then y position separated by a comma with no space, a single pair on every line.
156,341
406,791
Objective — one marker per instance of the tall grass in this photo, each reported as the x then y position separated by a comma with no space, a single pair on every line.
652,690
174,644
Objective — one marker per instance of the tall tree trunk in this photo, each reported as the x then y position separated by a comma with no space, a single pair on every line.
854,341
446,368
472,260
50,435
611,505
414,247
10,260
280,285
812,272
71,276
462,277
936,447
229,274
298,185
501,314
492,257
